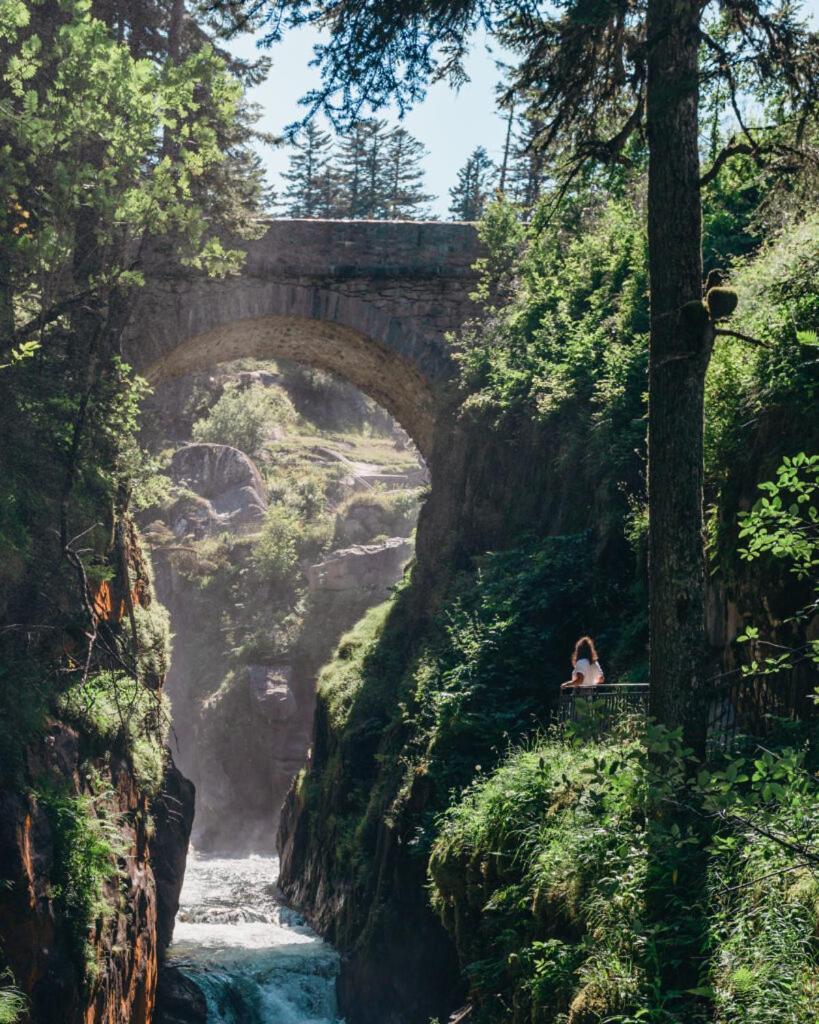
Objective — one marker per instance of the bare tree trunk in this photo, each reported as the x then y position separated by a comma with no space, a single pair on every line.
504,169
680,349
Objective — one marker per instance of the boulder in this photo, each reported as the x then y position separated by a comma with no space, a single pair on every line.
259,378
361,567
229,486
368,478
179,1000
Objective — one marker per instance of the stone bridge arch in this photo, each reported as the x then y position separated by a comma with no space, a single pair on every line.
370,301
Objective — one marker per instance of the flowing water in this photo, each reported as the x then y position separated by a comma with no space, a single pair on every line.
256,960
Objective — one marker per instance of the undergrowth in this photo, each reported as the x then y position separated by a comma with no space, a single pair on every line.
12,1002
118,712
590,882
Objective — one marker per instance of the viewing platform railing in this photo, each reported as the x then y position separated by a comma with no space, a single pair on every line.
603,704
738,706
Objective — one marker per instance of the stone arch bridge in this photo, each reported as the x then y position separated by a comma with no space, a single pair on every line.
368,300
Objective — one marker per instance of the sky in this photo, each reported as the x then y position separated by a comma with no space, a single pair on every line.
450,124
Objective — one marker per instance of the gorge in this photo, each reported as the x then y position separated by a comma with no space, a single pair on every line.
312,506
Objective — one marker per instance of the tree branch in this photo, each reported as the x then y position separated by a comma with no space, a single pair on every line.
45,318
726,333
730,150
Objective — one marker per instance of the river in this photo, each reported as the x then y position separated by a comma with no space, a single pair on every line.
256,960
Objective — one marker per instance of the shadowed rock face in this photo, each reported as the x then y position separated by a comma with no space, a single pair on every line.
124,944
370,301
178,999
172,812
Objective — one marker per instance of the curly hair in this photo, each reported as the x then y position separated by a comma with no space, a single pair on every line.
584,648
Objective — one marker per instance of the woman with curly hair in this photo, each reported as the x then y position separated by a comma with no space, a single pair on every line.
586,670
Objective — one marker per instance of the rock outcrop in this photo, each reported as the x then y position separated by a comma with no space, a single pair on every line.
363,567
123,944
229,493
172,811
178,999
242,725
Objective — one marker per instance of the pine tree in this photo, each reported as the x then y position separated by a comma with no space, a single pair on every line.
527,169
405,197
310,189
361,170
473,188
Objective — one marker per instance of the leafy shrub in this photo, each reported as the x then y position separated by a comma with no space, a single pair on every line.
603,884
245,418
276,551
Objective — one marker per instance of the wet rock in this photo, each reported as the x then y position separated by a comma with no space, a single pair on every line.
36,945
179,1000
228,481
172,811
361,567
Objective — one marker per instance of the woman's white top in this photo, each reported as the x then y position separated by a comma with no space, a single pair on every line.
590,670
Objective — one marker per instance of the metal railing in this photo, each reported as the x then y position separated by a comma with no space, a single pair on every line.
738,707
749,706
601,705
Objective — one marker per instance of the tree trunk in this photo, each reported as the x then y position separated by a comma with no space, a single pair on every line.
175,24
680,348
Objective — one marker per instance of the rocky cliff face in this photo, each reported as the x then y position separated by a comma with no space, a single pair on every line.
398,965
109,975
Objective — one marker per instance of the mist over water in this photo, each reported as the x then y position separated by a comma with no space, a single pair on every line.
256,960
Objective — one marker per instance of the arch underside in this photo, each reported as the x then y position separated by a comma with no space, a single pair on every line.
378,371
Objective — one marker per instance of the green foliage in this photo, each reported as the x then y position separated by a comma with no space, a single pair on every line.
344,678
568,347
116,711
25,693
414,712
752,389
785,521
374,172
86,846
245,418
276,551
12,1004
571,889
153,643
784,525
84,118
471,192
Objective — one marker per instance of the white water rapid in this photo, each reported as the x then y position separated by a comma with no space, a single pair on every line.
256,961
